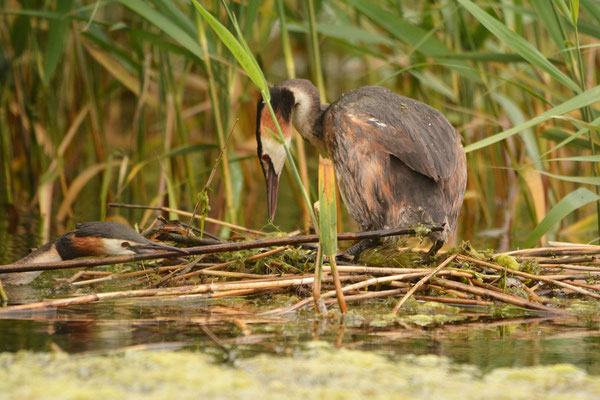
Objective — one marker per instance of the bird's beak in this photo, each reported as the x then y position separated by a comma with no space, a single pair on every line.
155,245
272,189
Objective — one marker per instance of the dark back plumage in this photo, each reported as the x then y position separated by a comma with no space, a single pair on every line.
108,230
417,134
398,161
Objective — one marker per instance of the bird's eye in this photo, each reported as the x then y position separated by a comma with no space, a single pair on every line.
265,157
125,245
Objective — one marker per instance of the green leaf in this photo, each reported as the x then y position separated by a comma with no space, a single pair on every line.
577,158
516,116
519,44
567,137
345,33
592,9
567,205
245,59
421,40
487,57
586,180
164,24
170,10
574,11
589,29
586,98
57,39
252,10
547,13
193,148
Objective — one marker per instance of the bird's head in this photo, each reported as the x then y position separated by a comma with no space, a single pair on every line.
271,149
105,238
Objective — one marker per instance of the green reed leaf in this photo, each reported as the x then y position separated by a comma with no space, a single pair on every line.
571,202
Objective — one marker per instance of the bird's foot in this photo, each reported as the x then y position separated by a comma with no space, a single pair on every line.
430,256
354,252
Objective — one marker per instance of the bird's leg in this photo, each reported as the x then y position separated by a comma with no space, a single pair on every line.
361,246
437,244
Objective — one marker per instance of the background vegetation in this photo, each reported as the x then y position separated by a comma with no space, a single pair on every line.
130,101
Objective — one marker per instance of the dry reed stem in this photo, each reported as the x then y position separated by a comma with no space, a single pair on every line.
355,286
123,275
251,258
234,274
533,295
531,276
338,286
96,273
590,268
455,293
451,300
230,293
203,288
562,250
369,295
69,281
585,285
506,298
572,276
207,271
562,260
422,281
392,270
179,270
189,214
485,285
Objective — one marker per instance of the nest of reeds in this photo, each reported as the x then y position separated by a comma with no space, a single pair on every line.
538,280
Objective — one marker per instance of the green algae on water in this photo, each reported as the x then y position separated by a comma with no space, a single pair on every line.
319,371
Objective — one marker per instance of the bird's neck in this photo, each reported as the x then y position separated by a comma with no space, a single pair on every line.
308,120
307,114
46,253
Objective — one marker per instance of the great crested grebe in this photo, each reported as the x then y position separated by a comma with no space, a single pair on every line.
398,161
88,239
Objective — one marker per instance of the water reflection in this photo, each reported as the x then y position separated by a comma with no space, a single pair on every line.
234,326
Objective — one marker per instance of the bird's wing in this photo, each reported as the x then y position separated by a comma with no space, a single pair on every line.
415,133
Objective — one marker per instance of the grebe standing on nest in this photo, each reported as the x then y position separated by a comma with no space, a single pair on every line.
398,161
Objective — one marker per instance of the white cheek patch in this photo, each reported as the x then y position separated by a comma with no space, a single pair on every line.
276,151
113,247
